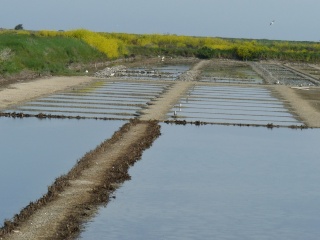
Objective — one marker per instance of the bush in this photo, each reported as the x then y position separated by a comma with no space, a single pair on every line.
18,27
205,53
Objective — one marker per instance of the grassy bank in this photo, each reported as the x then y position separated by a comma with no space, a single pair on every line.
51,55
53,51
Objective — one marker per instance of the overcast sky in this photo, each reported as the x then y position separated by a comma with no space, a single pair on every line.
294,19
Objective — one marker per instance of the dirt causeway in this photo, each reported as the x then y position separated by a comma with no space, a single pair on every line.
74,198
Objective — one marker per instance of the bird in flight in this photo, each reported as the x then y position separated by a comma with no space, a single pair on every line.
272,22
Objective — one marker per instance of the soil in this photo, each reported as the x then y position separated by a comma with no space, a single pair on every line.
74,198
305,102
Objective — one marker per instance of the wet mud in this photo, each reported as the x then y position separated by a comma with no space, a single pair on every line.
51,116
200,123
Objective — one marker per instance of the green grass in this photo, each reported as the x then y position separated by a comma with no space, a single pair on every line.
44,54
52,52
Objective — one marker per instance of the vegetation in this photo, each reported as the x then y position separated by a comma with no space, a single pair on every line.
50,55
52,51
207,47
18,27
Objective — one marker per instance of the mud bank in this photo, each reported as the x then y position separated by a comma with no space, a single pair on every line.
74,197
200,123
53,116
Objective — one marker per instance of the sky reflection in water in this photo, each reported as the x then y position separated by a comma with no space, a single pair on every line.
34,152
219,182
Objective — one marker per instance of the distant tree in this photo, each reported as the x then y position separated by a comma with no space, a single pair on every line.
18,27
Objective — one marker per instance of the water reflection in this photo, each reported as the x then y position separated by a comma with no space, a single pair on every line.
232,105
165,72
233,73
98,100
219,182
35,152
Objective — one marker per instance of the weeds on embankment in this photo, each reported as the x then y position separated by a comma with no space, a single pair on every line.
43,55
53,51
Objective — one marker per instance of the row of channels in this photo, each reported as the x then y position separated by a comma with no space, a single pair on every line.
206,103
124,97
233,105
112,100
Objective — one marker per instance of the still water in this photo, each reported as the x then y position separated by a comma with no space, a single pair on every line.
35,152
99,100
232,105
219,182
165,72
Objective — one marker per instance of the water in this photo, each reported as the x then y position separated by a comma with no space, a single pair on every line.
232,105
230,74
35,152
98,100
219,182
165,72
287,76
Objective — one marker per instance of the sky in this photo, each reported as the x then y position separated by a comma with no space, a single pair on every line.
295,20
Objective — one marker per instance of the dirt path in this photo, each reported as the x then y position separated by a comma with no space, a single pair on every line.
303,108
162,105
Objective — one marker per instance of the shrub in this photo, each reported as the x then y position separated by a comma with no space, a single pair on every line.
18,27
205,53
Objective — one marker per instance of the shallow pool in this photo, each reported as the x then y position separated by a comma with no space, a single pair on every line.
233,73
232,105
99,100
35,152
164,72
219,182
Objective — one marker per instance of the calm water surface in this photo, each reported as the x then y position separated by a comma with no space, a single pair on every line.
219,182
35,152
247,105
96,100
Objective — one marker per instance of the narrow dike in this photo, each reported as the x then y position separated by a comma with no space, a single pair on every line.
74,198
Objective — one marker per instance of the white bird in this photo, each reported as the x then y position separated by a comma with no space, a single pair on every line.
174,113
272,22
